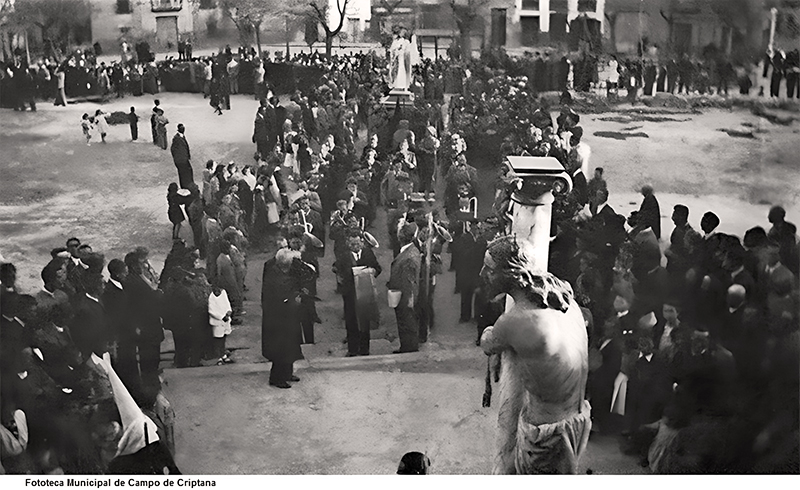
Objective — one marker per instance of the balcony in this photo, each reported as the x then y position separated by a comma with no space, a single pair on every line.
166,5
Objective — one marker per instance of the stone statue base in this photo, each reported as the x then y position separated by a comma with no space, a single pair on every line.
403,96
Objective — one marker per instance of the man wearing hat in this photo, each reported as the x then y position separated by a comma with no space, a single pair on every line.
468,250
426,159
312,219
405,278
357,255
181,157
281,332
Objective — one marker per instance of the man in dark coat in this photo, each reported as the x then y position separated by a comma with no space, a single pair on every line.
281,333
357,255
182,158
405,278
649,212
606,232
604,368
280,118
314,219
426,160
89,326
115,301
468,250
679,252
145,314
153,125
273,127
260,132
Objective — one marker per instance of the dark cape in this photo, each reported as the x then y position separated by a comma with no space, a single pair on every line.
281,334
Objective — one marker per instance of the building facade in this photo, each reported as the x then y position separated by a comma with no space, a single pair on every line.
512,24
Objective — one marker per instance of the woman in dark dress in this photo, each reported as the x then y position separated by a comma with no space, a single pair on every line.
174,212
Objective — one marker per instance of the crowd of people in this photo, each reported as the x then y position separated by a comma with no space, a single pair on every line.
713,73
81,389
693,362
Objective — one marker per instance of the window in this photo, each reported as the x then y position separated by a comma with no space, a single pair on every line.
530,4
587,5
530,30
498,27
165,5
208,4
123,6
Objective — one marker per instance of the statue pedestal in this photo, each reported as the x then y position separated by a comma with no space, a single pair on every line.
398,95
532,202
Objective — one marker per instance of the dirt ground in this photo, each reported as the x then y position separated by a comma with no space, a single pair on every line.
348,416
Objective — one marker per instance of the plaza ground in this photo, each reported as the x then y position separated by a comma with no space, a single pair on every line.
354,415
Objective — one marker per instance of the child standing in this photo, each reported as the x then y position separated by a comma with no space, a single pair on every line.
102,125
86,126
219,313
133,120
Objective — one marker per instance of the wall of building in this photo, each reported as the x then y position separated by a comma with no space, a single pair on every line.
107,25
184,17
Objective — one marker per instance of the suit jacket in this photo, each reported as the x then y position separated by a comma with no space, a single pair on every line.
180,149
650,214
317,225
608,227
405,274
145,309
115,301
580,188
281,333
468,253
344,267
89,326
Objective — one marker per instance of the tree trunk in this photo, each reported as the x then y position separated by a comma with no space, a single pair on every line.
287,38
466,43
258,40
612,32
328,45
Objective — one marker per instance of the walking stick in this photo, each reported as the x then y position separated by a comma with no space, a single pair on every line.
487,392
426,283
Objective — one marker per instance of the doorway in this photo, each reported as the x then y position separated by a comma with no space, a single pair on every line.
167,32
498,27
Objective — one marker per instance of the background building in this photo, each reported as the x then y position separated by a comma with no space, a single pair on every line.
740,27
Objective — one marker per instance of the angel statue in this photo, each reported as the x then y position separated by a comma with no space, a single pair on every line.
403,56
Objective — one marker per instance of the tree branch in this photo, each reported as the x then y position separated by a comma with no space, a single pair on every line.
341,8
321,18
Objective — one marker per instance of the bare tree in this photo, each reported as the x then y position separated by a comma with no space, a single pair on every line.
319,11
247,16
61,22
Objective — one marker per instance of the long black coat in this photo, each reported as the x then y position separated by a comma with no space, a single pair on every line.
115,301
468,253
145,306
89,328
181,156
281,334
650,214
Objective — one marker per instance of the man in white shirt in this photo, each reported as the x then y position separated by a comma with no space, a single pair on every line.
259,73
233,75
207,75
